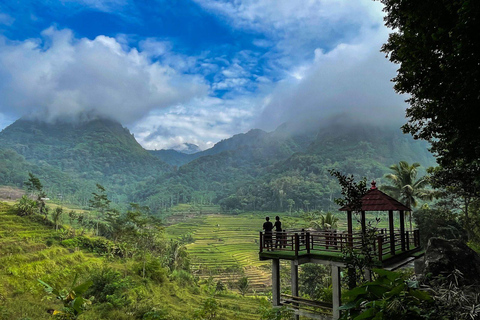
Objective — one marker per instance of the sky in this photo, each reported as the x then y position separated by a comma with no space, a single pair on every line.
195,71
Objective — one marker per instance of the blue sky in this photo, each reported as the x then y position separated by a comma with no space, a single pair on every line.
195,71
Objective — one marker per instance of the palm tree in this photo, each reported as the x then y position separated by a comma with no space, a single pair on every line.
406,187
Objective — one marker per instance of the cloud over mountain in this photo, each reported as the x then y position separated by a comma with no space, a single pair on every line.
60,76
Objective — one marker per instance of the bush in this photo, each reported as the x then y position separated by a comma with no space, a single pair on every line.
109,286
156,315
440,223
96,245
182,277
153,270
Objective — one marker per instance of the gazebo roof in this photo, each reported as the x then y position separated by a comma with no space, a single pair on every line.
376,200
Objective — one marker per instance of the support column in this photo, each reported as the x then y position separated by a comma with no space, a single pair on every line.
337,293
402,229
294,281
364,224
392,232
349,228
294,278
276,282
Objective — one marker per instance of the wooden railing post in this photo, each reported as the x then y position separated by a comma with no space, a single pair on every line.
297,244
261,242
380,248
416,238
308,242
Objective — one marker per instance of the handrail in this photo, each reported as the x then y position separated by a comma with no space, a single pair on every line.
306,241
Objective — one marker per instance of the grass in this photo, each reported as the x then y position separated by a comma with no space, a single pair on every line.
226,248
31,250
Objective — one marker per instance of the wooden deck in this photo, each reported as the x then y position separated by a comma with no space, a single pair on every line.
330,245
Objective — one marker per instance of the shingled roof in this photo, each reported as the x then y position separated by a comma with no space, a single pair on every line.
376,200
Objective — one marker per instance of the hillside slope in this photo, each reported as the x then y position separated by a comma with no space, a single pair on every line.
73,157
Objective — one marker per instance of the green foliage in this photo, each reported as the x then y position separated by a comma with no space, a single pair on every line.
156,315
319,221
405,187
34,185
110,286
435,45
152,269
243,285
25,206
208,311
56,215
314,280
267,312
73,301
439,222
390,296
352,191
94,244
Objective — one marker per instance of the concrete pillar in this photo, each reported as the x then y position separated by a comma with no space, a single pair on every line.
276,282
294,282
294,278
337,292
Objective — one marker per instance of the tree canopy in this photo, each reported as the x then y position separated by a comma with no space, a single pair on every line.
436,45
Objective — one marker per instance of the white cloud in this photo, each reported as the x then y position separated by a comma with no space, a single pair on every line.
298,27
61,76
352,79
202,122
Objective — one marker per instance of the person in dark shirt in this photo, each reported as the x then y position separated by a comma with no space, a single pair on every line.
268,227
278,232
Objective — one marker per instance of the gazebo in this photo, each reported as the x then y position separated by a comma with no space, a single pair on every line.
393,249
376,200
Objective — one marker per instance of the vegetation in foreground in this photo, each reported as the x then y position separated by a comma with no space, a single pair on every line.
124,284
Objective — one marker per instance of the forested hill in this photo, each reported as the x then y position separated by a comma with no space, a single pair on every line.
255,138
280,170
261,170
98,151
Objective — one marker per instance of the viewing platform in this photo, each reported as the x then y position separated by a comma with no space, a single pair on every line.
305,245
389,248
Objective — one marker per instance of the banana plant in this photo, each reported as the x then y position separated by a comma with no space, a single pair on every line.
73,301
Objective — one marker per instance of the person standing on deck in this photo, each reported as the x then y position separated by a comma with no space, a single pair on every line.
278,233
268,227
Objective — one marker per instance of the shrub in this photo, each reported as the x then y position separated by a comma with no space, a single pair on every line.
153,270
109,286
182,277
440,223
96,245
390,296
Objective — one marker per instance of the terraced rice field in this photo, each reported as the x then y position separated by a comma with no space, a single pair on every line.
226,248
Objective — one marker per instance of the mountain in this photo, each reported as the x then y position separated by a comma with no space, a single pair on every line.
174,157
187,148
286,169
255,138
99,151
262,170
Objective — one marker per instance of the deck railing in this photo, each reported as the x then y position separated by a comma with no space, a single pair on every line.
304,242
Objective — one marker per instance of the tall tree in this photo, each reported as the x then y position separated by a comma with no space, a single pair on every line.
35,187
406,187
100,203
436,42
